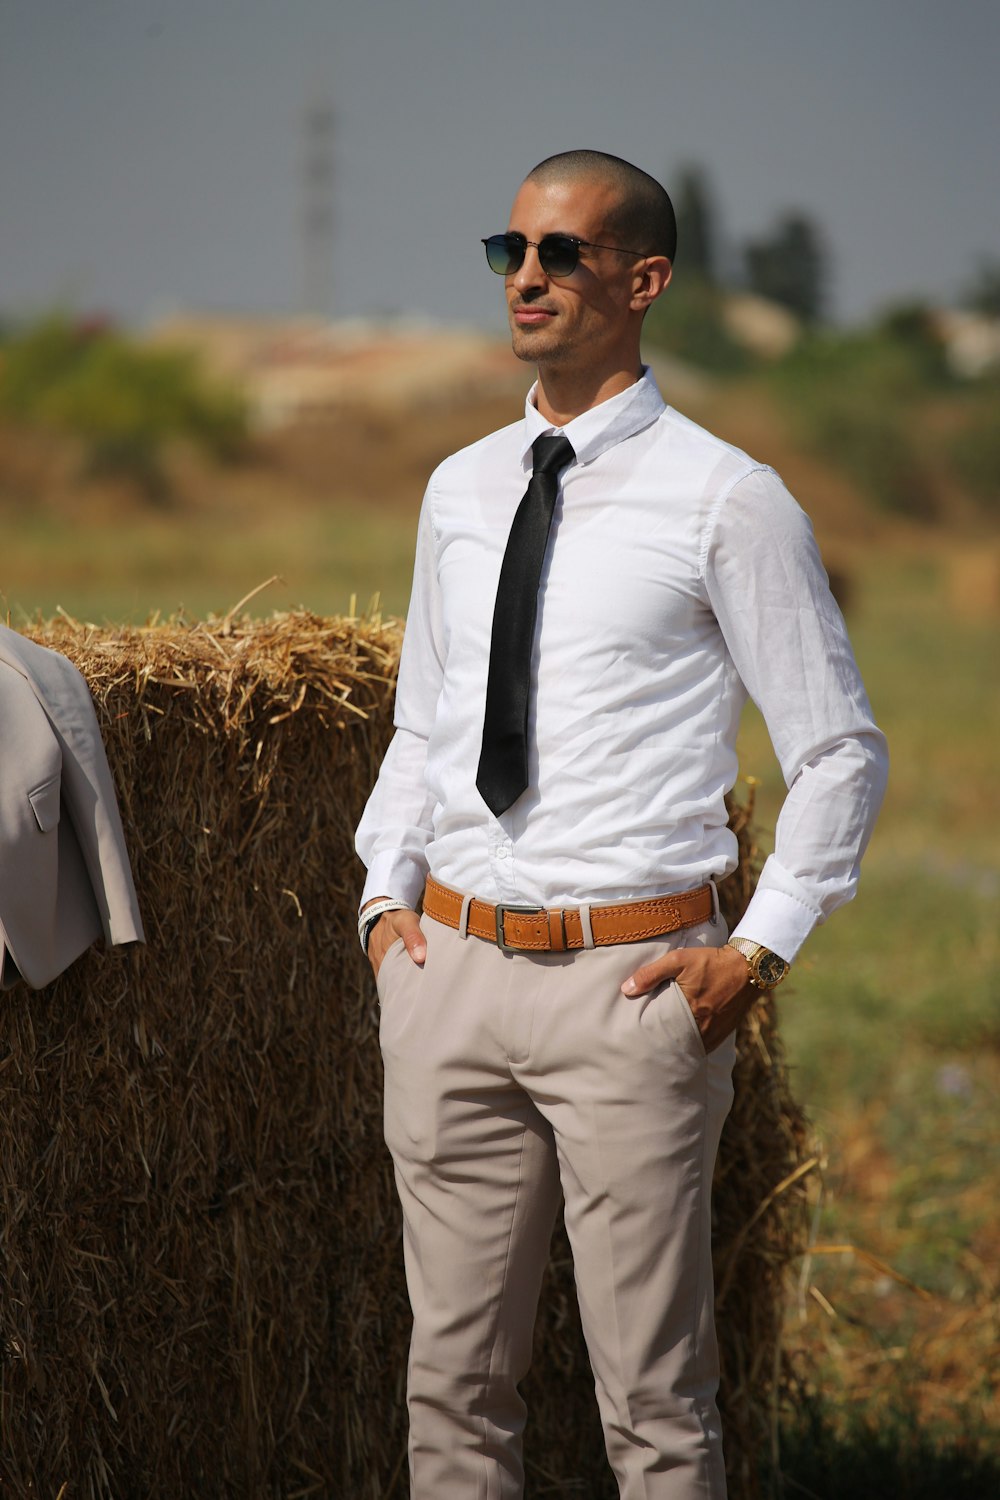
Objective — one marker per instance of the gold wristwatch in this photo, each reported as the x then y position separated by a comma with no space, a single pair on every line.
766,968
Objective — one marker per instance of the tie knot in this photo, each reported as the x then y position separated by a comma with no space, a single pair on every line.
550,454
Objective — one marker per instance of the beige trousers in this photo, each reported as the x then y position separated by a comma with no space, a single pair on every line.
510,1077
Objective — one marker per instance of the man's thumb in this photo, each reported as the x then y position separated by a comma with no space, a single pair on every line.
650,975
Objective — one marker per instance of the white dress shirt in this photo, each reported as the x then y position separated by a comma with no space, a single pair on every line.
680,576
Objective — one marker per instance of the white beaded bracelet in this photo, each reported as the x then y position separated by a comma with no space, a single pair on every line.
371,914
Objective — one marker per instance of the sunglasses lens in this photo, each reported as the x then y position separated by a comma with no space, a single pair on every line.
559,255
505,252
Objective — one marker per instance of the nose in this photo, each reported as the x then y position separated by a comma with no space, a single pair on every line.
529,274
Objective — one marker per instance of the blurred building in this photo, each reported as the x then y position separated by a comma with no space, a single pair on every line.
763,327
300,370
971,341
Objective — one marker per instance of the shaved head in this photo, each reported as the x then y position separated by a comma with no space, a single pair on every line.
644,217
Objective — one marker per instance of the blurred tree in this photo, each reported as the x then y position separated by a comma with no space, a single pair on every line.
689,323
790,266
975,451
697,249
912,329
983,292
853,399
123,402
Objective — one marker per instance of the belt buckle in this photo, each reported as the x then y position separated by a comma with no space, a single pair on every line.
522,911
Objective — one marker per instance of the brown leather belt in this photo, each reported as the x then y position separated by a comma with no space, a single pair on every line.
537,929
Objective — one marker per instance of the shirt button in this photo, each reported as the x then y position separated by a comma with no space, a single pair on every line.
502,853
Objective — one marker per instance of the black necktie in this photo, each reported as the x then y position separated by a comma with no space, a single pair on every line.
503,764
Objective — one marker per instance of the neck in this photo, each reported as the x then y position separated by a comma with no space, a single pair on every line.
564,394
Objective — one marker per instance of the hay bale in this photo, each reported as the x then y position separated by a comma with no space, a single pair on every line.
201,1282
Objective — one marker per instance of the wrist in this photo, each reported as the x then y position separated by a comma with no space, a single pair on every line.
372,913
765,969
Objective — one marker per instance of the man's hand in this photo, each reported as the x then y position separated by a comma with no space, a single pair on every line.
396,924
714,982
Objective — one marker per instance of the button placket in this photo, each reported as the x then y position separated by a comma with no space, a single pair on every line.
502,864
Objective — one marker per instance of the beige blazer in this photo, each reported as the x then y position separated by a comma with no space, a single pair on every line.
65,879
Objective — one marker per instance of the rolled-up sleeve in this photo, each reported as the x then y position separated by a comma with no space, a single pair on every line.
788,642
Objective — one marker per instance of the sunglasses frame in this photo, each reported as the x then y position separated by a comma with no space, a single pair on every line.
539,245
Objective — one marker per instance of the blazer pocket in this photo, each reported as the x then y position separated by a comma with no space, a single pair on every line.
44,801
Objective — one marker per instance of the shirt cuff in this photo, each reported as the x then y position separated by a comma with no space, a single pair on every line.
777,921
393,874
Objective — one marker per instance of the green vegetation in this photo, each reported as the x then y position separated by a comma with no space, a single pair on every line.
892,1029
123,403
789,266
878,404
983,291
975,448
895,1457
203,560
689,324
854,400
881,406
914,961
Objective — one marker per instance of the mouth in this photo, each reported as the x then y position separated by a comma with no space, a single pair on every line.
527,315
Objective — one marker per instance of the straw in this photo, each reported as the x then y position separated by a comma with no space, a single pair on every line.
201,1283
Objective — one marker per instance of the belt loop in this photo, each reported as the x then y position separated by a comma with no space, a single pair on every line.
714,918
463,920
588,931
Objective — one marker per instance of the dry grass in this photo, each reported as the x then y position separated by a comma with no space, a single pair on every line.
873,1337
201,1287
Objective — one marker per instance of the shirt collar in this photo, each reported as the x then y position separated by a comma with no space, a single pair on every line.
603,426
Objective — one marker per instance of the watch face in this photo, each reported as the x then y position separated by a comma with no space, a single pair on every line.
770,968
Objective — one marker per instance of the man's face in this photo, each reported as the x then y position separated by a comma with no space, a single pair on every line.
584,319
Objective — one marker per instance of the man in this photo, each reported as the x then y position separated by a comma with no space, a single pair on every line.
572,675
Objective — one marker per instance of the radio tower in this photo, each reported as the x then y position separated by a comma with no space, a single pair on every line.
317,210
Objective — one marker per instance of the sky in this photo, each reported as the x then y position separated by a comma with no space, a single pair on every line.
152,152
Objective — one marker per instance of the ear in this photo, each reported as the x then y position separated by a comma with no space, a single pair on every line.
652,277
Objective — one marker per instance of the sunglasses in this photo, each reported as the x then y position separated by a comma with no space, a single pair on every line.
558,254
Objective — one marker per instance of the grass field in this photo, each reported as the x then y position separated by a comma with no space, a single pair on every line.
892,1018
203,562
892,1027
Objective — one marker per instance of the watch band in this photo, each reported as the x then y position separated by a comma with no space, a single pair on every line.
765,968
